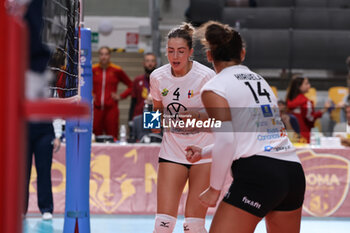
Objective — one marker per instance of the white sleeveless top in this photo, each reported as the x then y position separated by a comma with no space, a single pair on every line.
178,94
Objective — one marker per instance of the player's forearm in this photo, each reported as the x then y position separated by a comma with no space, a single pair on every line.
222,155
207,151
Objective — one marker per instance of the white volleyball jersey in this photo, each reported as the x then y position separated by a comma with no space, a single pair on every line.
179,94
257,126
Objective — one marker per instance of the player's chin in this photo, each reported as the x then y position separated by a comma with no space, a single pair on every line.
177,66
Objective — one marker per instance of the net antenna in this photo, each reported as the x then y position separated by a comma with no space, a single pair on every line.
80,9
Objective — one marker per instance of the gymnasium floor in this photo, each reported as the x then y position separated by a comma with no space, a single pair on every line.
144,224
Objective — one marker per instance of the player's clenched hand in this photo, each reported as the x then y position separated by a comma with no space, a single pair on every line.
209,197
193,153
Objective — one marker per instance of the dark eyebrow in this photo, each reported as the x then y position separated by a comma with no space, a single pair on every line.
177,48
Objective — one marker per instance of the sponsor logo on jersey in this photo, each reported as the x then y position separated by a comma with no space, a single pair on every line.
151,120
283,132
266,110
174,109
276,148
273,130
190,93
271,136
276,121
255,112
165,92
261,123
272,133
268,148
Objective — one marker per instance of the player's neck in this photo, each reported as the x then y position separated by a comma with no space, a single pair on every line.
104,65
220,65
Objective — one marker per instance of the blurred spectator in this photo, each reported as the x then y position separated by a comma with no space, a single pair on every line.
106,77
58,65
301,107
346,98
326,121
290,122
40,136
342,106
38,76
140,87
342,129
348,66
42,141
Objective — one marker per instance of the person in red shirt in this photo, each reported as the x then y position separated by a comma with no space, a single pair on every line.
301,107
140,87
106,77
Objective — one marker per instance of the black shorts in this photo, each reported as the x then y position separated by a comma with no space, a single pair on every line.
161,160
262,184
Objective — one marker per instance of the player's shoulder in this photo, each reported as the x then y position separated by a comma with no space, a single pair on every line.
221,80
115,67
160,72
96,66
139,77
301,96
202,70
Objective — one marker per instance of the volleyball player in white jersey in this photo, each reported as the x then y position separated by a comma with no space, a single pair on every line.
268,178
175,88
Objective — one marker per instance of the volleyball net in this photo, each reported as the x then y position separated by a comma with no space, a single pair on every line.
61,33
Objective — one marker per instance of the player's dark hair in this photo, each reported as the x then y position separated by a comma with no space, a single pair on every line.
224,43
104,47
149,54
293,89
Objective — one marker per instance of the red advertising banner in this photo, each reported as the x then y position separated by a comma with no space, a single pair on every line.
123,180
